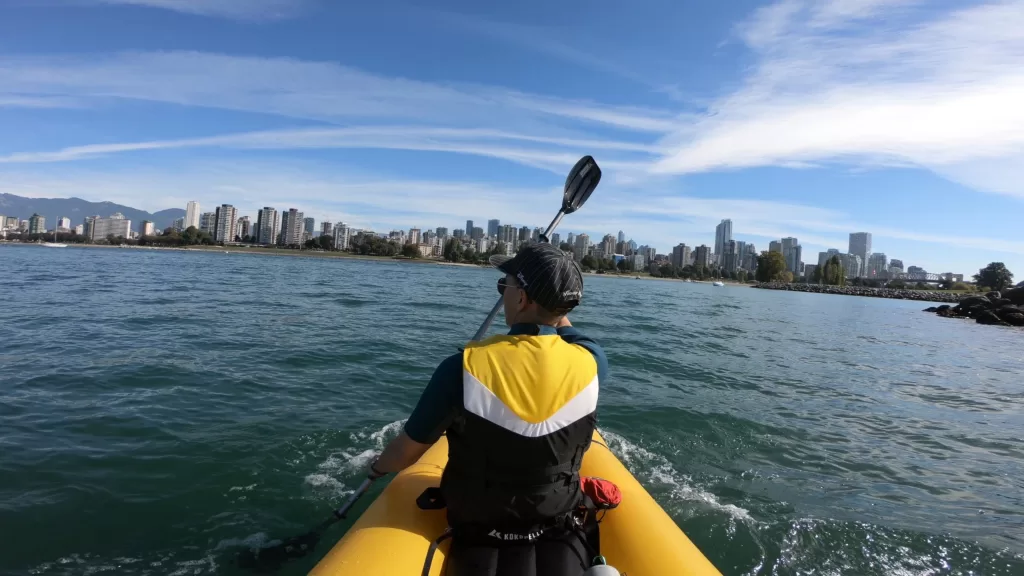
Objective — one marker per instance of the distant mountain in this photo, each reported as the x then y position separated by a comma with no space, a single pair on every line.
77,209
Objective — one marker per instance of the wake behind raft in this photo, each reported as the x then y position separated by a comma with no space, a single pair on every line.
394,535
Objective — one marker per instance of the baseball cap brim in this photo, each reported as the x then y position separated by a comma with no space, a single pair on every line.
499,261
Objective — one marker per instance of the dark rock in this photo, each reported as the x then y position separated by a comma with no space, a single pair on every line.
993,295
1016,319
974,302
943,308
931,309
1009,308
1015,296
1003,302
989,317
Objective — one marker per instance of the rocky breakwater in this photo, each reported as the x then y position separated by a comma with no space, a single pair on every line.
997,308
894,293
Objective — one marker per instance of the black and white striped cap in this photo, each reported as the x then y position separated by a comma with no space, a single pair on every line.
549,276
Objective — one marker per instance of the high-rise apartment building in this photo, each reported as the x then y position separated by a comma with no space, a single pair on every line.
621,236
793,253
580,247
824,257
860,244
469,227
524,235
191,214
492,228
36,224
292,228
308,227
775,246
326,229
414,236
476,233
147,228
702,256
243,227
853,265
680,256
556,238
341,236
64,224
877,265
723,234
225,223
608,245
442,232
97,228
730,256
266,226
207,222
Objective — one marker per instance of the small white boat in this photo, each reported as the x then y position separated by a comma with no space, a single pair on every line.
54,245
716,283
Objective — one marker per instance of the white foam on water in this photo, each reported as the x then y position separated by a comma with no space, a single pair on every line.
242,488
257,540
657,469
355,460
205,565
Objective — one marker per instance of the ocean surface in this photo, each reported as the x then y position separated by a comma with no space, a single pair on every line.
160,411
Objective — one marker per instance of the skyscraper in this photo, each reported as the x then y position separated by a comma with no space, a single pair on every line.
266,226
680,255
36,224
292,227
579,248
224,224
877,265
476,233
469,227
341,236
147,228
723,233
243,227
860,244
556,239
702,256
729,257
608,245
441,232
63,223
621,237
524,234
308,227
852,264
492,228
414,235
326,229
207,221
792,252
191,214
775,246
896,265
570,239
824,257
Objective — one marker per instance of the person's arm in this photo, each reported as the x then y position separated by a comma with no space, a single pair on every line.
428,421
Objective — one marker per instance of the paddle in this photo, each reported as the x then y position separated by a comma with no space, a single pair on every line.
579,185
270,558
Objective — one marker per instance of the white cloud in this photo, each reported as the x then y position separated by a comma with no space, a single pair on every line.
234,9
321,91
870,82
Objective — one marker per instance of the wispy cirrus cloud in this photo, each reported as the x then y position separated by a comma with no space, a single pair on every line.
234,9
548,153
871,83
323,91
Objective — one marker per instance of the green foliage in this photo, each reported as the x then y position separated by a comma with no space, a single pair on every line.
373,245
565,246
320,243
190,237
770,266
411,251
452,251
962,286
995,275
786,277
897,284
588,262
741,276
832,273
623,265
469,255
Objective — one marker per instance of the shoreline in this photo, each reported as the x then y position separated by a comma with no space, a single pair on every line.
867,292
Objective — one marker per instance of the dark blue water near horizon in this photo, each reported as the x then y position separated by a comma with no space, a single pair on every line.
161,410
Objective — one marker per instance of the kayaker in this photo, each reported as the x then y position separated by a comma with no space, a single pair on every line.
519,411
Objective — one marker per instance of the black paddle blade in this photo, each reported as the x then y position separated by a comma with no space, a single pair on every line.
580,184
271,558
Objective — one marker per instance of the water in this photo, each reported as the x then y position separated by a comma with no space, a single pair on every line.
161,410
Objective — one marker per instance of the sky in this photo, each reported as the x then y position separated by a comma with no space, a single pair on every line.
792,118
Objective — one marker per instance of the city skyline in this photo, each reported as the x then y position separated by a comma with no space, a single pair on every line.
439,113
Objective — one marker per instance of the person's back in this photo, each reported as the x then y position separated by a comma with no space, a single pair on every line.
519,411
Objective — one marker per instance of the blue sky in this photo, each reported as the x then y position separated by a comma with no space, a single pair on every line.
792,118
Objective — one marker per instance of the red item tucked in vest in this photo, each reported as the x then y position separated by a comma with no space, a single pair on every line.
604,493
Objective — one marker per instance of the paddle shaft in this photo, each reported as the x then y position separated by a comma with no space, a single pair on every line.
342,512
545,237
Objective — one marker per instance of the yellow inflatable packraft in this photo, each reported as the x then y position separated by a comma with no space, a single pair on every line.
393,535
